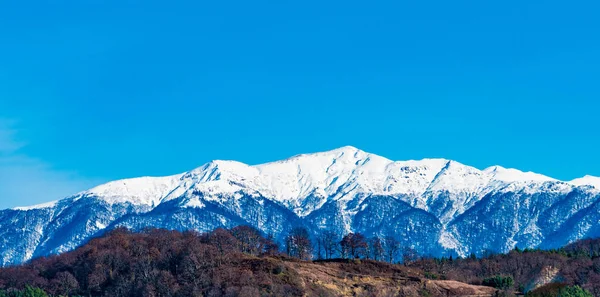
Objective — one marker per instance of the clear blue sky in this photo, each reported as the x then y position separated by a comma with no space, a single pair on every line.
92,91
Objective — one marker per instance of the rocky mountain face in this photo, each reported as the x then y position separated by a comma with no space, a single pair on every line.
434,206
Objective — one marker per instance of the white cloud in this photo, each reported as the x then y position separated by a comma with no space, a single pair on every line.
25,180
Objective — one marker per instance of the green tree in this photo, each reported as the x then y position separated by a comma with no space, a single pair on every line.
574,291
499,282
27,292
559,290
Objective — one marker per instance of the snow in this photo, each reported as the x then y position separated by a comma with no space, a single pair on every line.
448,241
587,180
195,203
138,191
513,175
37,206
457,177
340,174
100,225
347,178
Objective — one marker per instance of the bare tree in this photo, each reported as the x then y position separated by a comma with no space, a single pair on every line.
354,245
223,241
392,247
271,246
65,283
319,248
250,239
376,248
330,243
409,255
298,244
327,243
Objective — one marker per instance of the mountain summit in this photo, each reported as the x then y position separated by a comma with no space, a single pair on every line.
434,206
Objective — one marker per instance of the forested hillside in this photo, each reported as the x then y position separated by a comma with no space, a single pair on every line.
575,264
242,262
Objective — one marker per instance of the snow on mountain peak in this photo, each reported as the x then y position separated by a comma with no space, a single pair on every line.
37,206
139,191
221,169
345,189
457,177
514,175
587,180
335,174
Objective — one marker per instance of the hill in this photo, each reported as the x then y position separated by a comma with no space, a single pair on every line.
170,263
242,262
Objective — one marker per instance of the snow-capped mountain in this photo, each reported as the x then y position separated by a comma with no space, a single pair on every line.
587,180
435,206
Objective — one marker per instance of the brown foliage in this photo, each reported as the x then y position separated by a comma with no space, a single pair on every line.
241,262
354,245
577,264
155,263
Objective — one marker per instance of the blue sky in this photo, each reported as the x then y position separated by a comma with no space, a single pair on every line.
92,91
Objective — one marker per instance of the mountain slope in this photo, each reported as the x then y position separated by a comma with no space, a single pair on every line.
435,206
165,263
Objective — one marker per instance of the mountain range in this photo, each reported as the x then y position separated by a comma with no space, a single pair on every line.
434,206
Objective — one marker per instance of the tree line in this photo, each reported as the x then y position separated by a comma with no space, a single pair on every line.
329,245
576,267
157,262
242,261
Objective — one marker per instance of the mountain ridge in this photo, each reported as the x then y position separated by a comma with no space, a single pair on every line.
499,172
344,190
